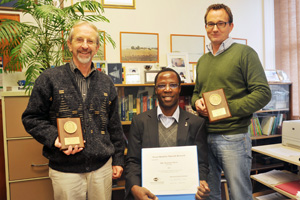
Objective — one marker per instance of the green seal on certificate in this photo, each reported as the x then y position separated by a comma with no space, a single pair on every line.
216,104
69,132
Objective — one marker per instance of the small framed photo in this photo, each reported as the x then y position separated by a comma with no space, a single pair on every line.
282,76
193,73
272,76
133,75
114,71
240,40
101,66
179,62
150,76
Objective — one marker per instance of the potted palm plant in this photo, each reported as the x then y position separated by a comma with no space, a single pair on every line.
40,45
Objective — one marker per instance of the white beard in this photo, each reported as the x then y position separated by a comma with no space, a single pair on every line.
84,60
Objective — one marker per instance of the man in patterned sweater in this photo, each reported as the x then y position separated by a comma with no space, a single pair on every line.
75,90
165,126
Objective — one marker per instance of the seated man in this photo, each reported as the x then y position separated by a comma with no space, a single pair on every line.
165,126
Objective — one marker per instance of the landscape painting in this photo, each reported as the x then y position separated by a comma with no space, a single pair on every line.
139,47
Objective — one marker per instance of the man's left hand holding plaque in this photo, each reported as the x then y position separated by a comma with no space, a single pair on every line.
70,132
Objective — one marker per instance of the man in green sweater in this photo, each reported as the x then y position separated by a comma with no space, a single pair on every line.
237,69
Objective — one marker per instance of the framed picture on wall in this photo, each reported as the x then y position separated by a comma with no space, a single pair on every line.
67,55
139,47
179,62
101,53
240,40
127,4
194,45
8,6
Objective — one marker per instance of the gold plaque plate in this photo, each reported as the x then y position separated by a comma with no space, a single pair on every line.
69,132
216,104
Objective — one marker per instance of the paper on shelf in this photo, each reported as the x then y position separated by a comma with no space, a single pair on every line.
275,177
272,196
284,151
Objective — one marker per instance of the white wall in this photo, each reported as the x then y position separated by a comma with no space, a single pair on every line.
182,17
167,17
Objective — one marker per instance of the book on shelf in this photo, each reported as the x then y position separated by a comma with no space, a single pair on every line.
267,125
182,102
134,102
138,105
290,187
130,106
254,129
123,108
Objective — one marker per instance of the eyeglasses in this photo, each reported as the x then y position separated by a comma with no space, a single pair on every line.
164,86
80,41
211,25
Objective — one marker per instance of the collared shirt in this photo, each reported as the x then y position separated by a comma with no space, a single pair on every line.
167,121
83,82
225,45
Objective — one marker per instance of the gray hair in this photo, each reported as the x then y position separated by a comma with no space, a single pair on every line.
80,23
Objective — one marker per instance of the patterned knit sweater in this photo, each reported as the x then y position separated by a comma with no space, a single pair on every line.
56,95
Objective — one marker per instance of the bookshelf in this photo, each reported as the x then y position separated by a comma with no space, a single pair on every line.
124,90
268,120
280,105
269,150
187,90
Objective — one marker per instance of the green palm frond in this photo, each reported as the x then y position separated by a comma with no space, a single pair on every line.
37,46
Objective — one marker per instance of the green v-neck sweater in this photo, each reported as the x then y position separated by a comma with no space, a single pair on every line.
239,72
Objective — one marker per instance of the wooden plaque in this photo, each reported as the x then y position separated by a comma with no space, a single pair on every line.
69,132
216,104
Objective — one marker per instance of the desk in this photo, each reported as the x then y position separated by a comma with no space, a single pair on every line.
265,149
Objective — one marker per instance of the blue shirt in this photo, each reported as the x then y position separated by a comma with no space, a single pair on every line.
167,121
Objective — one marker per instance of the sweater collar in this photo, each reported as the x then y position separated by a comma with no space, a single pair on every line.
223,47
74,68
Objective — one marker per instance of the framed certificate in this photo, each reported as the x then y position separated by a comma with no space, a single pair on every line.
171,172
216,104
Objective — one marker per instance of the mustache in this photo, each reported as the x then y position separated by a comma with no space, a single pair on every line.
84,51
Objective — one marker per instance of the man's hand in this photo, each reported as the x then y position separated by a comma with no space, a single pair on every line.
202,191
117,171
201,108
141,193
70,150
